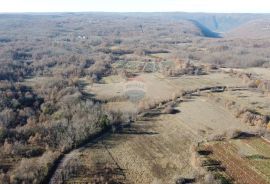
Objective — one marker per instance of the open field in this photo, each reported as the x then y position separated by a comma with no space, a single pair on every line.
165,140
213,79
203,115
147,152
106,91
164,87
165,155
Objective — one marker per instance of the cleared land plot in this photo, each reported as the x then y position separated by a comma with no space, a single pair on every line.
129,65
203,115
164,56
155,88
158,87
213,79
38,81
106,91
254,100
147,152
246,161
112,79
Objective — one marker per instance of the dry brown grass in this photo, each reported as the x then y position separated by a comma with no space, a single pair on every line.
245,114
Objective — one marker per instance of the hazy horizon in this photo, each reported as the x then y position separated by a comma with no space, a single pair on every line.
188,6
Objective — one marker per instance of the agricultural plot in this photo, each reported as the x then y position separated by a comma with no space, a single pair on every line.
164,56
147,152
212,79
167,64
150,67
112,79
208,117
131,66
244,160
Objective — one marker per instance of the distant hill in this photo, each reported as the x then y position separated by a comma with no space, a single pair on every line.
217,22
189,28
253,29
225,22
212,25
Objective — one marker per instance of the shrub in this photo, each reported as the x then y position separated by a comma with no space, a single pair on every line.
3,134
232,134
48,108
7,118
104,121
34,152
8,147
266,119
252,84
169,109
180,181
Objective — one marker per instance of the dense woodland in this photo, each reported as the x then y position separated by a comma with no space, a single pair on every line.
39,122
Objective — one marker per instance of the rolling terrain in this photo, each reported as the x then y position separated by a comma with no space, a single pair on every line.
254,29
134,98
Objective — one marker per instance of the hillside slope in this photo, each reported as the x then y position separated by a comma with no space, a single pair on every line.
253,29
217,22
